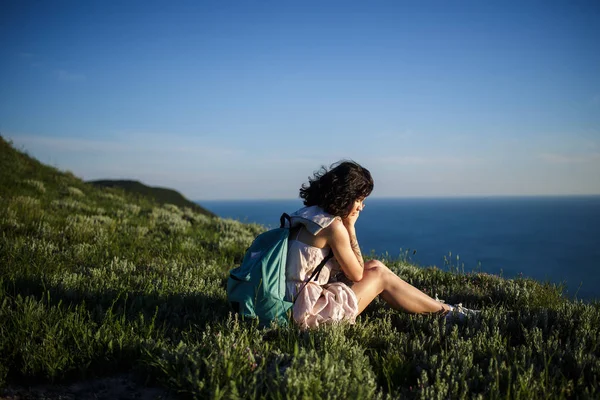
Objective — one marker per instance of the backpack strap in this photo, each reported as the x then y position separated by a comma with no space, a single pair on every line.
319,268
285,217
316,272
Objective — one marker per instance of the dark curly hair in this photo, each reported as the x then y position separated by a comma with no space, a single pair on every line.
334,190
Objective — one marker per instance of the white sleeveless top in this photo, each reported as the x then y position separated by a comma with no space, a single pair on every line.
302,259
321,301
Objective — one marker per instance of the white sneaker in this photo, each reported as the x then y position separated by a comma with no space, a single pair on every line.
460,313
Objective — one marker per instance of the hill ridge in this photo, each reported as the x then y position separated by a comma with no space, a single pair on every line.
162,195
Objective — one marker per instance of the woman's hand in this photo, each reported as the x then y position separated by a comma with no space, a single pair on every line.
354,210
350,220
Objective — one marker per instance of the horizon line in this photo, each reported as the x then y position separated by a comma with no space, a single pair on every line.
423,197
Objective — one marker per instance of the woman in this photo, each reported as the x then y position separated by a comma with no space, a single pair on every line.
334,199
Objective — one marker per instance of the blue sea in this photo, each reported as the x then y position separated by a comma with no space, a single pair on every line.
554,239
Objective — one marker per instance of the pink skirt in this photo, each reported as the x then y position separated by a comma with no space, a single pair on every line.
316,304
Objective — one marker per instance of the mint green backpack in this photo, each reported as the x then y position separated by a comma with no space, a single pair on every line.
256,289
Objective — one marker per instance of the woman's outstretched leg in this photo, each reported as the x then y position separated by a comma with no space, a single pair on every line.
379,280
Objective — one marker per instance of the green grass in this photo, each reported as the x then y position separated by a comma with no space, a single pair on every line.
96,282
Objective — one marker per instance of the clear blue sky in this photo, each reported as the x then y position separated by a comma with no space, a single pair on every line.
245,99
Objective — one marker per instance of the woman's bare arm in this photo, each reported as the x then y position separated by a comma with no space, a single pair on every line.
354,245
342,240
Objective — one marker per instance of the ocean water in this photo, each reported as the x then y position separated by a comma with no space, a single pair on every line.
554,239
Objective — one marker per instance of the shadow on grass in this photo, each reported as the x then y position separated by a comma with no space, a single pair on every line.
173,311
55,346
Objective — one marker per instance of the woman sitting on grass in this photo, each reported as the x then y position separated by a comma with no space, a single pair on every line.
334,199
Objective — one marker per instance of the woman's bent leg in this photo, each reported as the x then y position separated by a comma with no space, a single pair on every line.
379,280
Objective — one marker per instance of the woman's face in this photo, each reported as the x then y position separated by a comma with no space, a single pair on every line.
356,207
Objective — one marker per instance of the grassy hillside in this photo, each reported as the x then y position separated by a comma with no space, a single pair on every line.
161,195
96,283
